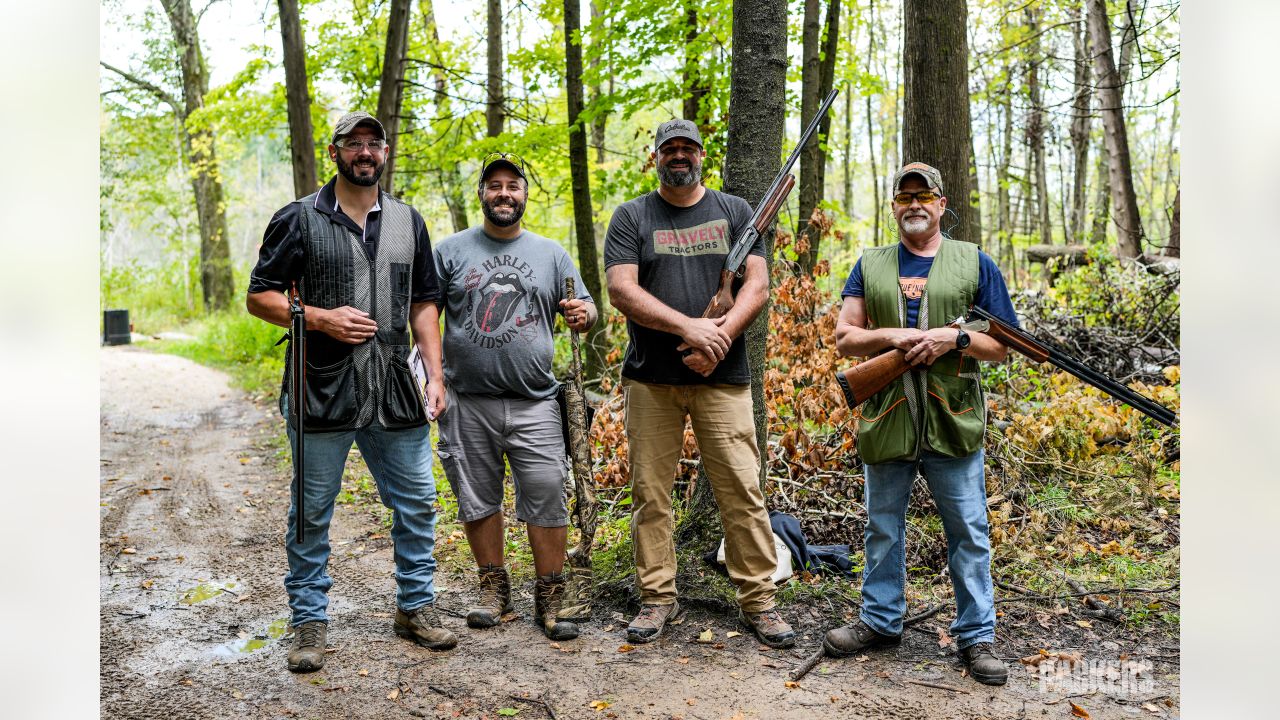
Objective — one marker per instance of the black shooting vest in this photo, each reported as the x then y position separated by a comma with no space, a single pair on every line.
350,386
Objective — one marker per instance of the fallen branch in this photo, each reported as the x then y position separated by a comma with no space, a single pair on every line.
939,686
812,661
1100,610
540,700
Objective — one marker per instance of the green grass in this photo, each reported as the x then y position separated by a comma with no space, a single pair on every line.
239,343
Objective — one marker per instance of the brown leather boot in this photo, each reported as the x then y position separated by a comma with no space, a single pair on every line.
422,625
547,596
495,597
307,653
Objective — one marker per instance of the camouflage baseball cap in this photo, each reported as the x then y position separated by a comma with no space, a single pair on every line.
928,173
674,128
351,120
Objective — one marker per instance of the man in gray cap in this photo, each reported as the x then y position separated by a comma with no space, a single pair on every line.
930,421
361,263
503,286
663,255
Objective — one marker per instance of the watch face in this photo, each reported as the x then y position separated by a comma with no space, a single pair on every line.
962,340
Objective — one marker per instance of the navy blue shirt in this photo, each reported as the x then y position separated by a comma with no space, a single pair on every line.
913,270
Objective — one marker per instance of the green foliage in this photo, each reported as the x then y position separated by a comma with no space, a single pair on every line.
237,342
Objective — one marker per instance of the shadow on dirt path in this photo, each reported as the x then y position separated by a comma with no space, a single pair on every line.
194,619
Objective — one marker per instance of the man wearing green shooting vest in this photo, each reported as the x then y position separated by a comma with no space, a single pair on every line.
929,421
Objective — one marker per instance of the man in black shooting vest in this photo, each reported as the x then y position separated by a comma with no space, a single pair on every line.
361,261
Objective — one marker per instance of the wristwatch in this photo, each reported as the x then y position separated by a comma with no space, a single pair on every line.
962,339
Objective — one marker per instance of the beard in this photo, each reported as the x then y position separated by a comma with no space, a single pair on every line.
915,225
503,215
347,170
680,178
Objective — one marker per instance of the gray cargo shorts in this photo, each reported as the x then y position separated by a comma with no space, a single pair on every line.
476,431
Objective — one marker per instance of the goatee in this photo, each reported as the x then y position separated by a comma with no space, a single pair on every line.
680,178
347,171
516,211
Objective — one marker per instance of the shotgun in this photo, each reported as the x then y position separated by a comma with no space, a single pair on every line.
871,376
765,215
578,590
298,397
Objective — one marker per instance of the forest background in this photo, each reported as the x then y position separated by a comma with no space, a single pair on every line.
196,155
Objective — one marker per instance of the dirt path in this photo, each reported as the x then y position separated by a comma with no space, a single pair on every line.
193,609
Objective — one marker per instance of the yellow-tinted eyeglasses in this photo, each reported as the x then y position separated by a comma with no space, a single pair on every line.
925,197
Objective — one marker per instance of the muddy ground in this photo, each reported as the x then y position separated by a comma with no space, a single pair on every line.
194,618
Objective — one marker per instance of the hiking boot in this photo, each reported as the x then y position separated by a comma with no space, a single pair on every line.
495,597
423,626
983,664
307,653
845,641
648,623
770,628
547,596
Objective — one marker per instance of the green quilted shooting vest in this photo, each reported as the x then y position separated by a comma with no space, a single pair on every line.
939,408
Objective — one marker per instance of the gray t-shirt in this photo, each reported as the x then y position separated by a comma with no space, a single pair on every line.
679,252
500,300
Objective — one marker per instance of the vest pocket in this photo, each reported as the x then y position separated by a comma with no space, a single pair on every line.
957,415
331,402
402,403
401,277
886,431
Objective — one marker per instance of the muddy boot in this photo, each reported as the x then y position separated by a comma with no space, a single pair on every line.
770,628
648,624
307,653
547,596
495,597
422,625
845,641
983,665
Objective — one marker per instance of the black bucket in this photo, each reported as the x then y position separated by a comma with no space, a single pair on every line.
116,329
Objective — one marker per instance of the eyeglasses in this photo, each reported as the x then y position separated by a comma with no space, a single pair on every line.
358,145
925,197
494,157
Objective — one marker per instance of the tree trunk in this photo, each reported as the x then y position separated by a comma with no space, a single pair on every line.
813,161
1174,248
215,253
810,156
1102,203
877,212
936,128
1124,202
1080,108
302,149
597,124
391,89
1035,126
585,232
494,113
695,86
757,110
1004,214
453,186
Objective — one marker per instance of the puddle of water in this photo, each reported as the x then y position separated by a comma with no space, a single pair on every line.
205,591
246,645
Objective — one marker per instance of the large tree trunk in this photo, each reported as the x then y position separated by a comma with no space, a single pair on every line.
453,186
810,156
588,259
598,123
302,149
1174,248
936,127
1004,213
876,211
198,142
1124,202
494,112
813,163
1035,127
1080,108
391,89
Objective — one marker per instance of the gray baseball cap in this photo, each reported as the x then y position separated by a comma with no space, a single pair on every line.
351,120
928,173
674,128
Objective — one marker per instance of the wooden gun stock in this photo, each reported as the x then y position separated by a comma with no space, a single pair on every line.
871,376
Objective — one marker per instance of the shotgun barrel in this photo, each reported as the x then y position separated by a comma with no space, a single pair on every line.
298,401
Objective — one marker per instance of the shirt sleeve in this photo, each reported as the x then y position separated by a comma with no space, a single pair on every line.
281,257
622,239
993,295
426,282
853,286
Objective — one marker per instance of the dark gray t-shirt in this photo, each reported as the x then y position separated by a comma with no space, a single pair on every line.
500,299
680,253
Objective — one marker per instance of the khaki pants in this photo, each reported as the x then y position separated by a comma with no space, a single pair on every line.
722,423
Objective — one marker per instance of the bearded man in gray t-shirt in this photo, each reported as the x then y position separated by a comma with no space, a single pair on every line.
502,287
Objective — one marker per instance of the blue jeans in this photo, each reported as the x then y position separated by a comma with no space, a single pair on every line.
959,490
400,462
